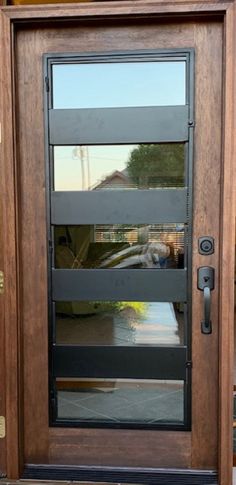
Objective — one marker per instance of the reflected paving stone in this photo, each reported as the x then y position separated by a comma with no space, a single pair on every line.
158,323
120,405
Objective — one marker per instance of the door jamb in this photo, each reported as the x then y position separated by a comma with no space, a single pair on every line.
10,324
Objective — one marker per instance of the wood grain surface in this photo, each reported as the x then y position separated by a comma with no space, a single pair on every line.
73,446
120,447
227,255
2,328
207,183
2,319
9,344
30,46
40,445
142,8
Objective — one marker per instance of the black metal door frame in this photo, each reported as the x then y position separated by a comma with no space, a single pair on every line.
72,208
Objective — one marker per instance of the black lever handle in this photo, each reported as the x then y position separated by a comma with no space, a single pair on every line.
206,283
206,323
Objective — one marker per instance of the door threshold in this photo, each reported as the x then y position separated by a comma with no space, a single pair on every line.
124,475
49,482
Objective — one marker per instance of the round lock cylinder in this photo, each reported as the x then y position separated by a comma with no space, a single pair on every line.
206,245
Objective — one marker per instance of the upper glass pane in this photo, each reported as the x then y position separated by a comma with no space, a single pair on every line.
119,84
110,167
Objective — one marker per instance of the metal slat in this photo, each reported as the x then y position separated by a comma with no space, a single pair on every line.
119,207
135,362
118,125
168,285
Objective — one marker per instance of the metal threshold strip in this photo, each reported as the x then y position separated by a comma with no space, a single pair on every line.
142,476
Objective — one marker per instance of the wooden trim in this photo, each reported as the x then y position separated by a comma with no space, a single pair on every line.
8,188
208,121
116,10
2,321
227,251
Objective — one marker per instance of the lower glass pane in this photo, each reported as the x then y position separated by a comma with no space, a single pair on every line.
119,323
121,401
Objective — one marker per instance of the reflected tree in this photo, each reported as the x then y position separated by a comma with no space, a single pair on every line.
161,165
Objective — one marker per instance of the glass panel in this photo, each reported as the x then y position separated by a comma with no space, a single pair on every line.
119,84
121,401
157,246
119,323
119,167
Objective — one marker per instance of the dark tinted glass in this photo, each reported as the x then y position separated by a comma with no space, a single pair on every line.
157,246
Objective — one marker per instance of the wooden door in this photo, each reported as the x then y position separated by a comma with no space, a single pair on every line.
188,441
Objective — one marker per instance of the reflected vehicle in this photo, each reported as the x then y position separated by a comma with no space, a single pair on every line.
149,255
157,246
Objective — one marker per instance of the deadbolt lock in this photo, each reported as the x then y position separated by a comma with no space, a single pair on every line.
206,245
1,282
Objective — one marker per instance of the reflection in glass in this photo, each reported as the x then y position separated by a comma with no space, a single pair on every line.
157,246
121,401
112,167
119,323
119,84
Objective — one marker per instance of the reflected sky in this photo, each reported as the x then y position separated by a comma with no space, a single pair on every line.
119,84
99,161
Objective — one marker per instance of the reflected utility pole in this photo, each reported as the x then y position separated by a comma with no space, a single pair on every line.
88,167
81,153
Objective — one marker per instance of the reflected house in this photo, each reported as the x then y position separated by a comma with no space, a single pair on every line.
116,180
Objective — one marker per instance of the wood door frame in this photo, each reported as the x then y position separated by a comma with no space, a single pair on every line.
10,345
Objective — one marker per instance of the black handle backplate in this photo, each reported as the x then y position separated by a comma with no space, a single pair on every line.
206,283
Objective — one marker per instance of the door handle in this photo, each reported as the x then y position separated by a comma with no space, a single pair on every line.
206,323
206,283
